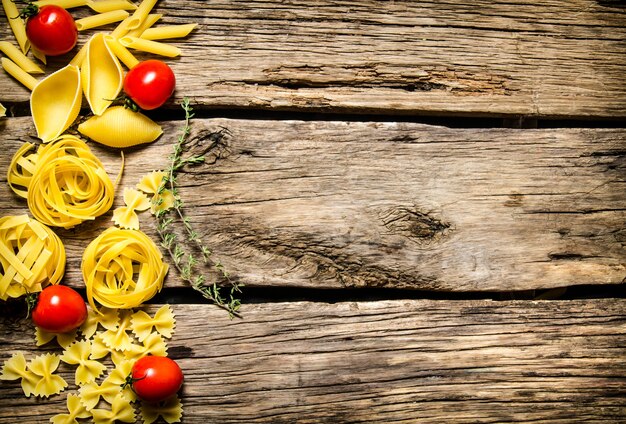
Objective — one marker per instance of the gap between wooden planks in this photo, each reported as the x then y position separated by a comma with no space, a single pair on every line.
558,59
386,361
397,205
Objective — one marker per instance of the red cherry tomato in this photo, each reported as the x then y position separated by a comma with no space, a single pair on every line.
51,30
59,309
150,83
156,378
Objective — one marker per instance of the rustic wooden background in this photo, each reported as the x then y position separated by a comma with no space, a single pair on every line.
425,201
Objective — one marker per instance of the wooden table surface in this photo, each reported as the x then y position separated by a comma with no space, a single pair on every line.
426,202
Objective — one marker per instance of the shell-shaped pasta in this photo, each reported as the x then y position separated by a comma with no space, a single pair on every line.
171,410
55,102
101,74
120,127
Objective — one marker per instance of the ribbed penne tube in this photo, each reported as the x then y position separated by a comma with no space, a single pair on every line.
17,24
78,58
121,52
19,74
168,31
150,46
141,13
19,58
39,55
120,127
65,4
121,29
102,6
101,19
150,20
55,102
101,75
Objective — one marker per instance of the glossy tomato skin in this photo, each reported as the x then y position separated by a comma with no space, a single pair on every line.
52,30
150,83
156,378
59,309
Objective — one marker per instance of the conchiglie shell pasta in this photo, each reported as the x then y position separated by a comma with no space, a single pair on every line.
120,127
101,74
55,102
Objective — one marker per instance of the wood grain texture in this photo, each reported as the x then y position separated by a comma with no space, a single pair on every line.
550,59
388,361
365,204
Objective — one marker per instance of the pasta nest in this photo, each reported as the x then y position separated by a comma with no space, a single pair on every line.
63,182
31,256
122,269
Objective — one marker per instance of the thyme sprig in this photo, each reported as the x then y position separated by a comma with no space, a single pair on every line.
184,260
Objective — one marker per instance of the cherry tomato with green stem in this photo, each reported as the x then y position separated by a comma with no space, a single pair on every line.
50,29
149,84
59,309
155,378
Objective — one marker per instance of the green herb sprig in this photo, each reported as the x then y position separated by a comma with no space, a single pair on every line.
184,260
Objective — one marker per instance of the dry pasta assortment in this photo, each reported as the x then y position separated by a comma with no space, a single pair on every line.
117,350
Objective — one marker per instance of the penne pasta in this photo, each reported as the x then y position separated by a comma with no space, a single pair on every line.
16,24
101,19
77,60
19,58
122,29
65,4
149,46
168,31
150,20
3,111
39,55
19,74
102,6
121,52
141,13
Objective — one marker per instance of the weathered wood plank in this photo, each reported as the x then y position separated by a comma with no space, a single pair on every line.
388,361
551,59
337,204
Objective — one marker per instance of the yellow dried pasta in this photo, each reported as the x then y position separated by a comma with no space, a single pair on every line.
101,75
121,410
19,58
125,216
101,19
17,24
167,31
122,269
14,368
120,127
55,102
19,74
69,185
87,370
3,111
170,410
22,168
75,410
43,337
31,256
121,52
44,367
163,322
91,393
102,6
150,184
149,46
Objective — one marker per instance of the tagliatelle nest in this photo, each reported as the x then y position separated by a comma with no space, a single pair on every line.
63,182
122,269
31,256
